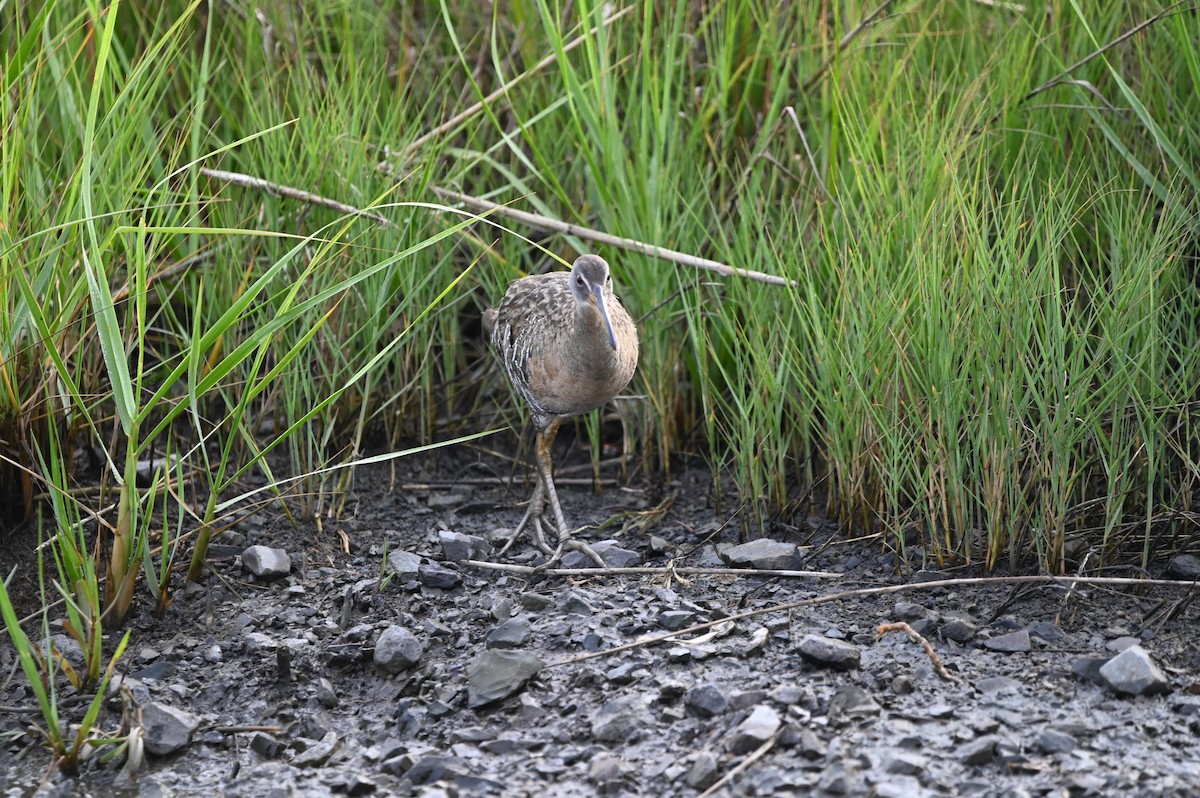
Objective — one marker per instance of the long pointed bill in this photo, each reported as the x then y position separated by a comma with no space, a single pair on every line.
598,300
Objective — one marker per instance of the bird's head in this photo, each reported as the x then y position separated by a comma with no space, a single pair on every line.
591,284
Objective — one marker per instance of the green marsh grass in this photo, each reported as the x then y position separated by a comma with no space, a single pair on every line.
988,351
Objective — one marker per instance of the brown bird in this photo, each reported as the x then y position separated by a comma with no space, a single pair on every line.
568,347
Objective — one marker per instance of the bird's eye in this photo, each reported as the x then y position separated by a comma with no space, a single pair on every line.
579,282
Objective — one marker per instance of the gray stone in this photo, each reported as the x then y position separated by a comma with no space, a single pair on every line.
513,633
1133,672
326,696
703,772
1055,742
617,719
496,675
911,611
318,753
1184,566
266,562
1050,632
439,576
265,745
755,730
166,728
762,553
829,652
536,602
991,685
609,550
575,603
674,620
959,630
604,768
706,700
979,751
851,702
900,787
404,564
456,546
1088,669
1011,643
397,649
906,763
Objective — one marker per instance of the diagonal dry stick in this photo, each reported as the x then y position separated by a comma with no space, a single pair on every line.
588,234
754,756
259,184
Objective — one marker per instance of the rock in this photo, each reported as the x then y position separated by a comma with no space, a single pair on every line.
604,768
674,620
404,564
1184,566
496,675
979,751
910,611
503,608
1133,672
1055,742
457,546
851,702
1045,630
755,730
899,787
1088,669
266,562
829,653
609,550
166,728
905,763
617,719
959,630
397,649
762,553
706,700
575,603
536,602
265,745
703,772
1011,643
513,633
439,576
325,694
991,685
318,754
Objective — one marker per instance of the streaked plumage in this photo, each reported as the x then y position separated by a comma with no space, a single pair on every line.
568,346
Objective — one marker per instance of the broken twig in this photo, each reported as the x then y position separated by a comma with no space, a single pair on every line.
588,234
259,184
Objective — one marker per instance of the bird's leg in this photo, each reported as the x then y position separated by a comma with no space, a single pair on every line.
537,503
565,541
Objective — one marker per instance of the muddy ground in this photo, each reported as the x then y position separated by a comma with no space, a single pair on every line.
366,671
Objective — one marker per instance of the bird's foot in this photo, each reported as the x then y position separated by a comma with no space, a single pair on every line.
566,542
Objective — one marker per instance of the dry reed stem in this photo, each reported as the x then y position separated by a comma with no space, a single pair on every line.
259,184
901,626
668,571
588,234
753,757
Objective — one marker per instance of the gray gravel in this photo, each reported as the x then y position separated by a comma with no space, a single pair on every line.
394,670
